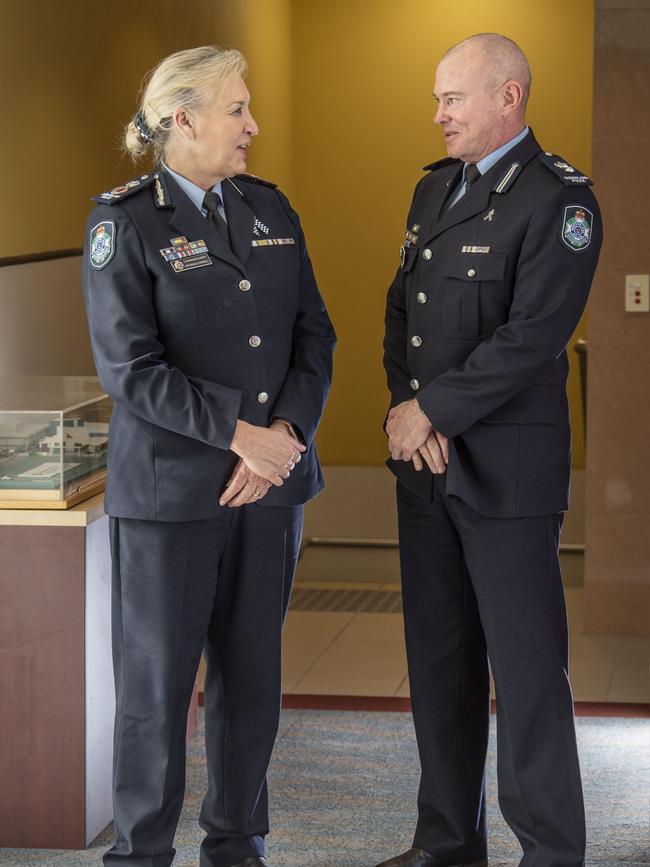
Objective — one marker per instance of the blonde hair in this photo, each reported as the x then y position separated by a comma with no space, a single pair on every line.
185,79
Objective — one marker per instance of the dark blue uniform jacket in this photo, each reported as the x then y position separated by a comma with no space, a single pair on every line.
478,318
186,346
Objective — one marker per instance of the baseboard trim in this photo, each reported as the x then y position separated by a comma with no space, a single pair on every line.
403,705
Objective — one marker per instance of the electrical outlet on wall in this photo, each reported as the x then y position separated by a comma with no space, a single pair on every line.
637,293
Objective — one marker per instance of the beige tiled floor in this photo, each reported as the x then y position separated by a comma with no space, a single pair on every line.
330,653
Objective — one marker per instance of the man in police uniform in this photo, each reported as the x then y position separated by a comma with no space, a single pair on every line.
210,334
500,249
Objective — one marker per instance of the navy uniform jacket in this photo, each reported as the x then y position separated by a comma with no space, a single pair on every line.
190,335
477,321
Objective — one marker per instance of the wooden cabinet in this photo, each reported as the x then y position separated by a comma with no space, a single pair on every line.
56,682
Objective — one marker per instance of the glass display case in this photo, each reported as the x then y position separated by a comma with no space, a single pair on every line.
53,440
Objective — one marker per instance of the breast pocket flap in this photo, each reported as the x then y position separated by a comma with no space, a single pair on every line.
475,267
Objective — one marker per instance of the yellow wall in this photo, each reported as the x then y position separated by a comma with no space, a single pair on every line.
342,93
362,128
71,73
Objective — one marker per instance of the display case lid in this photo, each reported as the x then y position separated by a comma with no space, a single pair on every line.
48,393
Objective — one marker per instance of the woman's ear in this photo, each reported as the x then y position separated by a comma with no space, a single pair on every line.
185,123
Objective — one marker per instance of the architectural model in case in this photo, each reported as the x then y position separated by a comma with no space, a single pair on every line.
53,440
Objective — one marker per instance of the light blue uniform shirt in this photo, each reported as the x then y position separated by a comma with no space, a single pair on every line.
195,193
486,163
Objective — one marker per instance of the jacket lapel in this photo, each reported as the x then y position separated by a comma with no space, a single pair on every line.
449,178
187,220
498,179
241,220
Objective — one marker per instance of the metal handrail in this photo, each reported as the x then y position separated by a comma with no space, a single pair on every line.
369,542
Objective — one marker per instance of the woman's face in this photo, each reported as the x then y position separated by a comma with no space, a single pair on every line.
223,132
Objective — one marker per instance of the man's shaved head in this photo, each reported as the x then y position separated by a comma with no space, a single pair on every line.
481,88
505,61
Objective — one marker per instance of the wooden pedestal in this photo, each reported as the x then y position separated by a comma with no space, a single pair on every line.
56,682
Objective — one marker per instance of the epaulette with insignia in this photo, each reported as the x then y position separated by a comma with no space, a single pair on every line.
123,191
447,161
254,179
567,173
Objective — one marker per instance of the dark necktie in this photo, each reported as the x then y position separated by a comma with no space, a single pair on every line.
212,202
471,174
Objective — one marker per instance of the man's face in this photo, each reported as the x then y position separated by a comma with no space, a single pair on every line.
469,106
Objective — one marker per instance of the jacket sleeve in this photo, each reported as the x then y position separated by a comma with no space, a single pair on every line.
304,391
396,322
129,356
395,342
551,287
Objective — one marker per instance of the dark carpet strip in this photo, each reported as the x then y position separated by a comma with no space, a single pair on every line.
343,789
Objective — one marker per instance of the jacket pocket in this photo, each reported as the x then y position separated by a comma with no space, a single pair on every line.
473,302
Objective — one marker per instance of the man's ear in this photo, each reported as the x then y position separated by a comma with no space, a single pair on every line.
512,96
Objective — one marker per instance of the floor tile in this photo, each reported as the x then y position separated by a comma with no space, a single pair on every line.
311,632
343,653
307,635
573,596
631,680
403,690
591,665
362,677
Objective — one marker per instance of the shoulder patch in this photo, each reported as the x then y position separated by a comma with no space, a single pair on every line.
102,244
563,170
447,161
577,222
255,180
123,191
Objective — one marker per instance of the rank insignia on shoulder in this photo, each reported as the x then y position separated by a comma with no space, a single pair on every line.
117,194
102,244
563,170
254,179
439,164
576,227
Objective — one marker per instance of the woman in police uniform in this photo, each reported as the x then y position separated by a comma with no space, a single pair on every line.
211,337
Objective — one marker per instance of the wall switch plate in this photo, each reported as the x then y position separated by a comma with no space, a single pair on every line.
637,293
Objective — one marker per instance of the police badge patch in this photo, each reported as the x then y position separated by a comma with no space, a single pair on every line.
576,227
102,244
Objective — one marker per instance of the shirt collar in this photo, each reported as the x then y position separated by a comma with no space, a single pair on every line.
195,193
492,159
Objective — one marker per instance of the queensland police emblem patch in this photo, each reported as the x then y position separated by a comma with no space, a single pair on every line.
102,244
576,227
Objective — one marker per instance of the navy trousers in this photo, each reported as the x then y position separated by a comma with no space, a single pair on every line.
476,587
221,586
